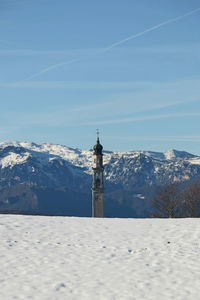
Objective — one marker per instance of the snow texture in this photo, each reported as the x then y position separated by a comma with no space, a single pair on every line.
54,258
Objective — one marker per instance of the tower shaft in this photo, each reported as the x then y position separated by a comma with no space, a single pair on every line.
98,182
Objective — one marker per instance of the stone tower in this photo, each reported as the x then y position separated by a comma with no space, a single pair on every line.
98,182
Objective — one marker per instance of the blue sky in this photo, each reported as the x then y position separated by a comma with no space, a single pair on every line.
129,68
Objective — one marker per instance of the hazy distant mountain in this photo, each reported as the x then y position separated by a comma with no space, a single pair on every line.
54,179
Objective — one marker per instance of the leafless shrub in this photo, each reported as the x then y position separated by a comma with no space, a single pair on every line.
191,199
173,201
167,202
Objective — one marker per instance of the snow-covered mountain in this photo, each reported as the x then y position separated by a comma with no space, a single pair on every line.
55,179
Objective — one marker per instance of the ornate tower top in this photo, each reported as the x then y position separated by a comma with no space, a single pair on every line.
98,148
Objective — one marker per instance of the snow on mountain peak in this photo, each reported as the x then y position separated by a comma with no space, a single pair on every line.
117,164
176,154
13,159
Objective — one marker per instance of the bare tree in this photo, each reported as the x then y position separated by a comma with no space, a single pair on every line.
167,202
191,199
174,201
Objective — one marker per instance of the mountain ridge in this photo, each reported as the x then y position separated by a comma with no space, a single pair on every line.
31,175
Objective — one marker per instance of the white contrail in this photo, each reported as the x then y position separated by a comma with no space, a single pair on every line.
117,43
145,118
51,67
150,29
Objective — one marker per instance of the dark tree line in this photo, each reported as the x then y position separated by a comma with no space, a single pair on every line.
175,201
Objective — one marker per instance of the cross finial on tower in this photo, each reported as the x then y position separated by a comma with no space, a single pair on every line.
97,130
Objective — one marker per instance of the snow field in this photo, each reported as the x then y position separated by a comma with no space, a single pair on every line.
80,258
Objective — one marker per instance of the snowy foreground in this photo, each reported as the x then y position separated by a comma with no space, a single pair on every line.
79,258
